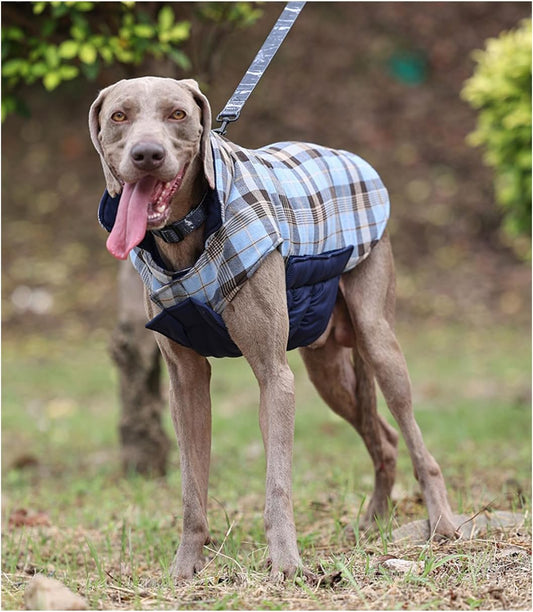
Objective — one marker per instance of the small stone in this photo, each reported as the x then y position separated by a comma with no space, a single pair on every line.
417,532
402,566
44,593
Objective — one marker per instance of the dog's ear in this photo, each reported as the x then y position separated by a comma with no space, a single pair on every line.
113,185
205,145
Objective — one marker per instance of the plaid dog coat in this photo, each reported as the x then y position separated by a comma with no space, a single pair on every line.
322,209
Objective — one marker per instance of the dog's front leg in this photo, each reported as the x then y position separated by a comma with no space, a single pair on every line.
257,320
276,419
190,407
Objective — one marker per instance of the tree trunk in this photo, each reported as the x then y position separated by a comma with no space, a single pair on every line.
144,444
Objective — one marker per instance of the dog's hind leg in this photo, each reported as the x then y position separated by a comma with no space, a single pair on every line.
369,294
346,383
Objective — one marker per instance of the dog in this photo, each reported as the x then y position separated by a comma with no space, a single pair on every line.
178,199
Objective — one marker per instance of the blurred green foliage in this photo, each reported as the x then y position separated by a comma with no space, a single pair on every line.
66,42
239,14
53,42
500,89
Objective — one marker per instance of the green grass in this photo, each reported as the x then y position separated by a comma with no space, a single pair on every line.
113,538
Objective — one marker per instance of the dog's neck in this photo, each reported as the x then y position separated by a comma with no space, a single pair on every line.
183,254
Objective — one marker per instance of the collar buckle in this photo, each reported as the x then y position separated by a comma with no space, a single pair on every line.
177,231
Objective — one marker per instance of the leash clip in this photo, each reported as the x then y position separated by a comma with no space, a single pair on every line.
225,119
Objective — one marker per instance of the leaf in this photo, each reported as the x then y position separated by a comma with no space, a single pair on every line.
69,49
51,55
9,105
84,6
12,104
59,9
51,80
179,58
180,32
38,7
143,30
106,53
124,55
87,53
80,29
68,72
38,69
13,33
165,18
23,518
124,34
13,67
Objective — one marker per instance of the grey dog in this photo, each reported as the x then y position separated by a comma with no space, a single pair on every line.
153,137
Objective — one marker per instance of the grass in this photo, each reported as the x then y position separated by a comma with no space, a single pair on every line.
112,538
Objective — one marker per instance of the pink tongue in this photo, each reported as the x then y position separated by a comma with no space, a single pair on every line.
132,217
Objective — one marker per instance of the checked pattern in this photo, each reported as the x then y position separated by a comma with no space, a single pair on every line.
299,198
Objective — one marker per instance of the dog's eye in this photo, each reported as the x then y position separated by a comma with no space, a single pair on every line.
118,117
178,115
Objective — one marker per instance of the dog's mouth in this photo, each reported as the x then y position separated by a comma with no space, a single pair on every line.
143,205
159,205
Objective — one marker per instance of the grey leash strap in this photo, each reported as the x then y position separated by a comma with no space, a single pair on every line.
281,28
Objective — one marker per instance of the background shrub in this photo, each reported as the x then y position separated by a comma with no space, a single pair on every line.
500,89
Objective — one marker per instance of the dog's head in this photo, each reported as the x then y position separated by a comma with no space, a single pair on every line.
147,132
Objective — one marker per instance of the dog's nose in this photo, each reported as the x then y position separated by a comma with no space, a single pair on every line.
147,155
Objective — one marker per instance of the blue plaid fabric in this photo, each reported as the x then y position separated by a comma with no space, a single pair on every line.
299,198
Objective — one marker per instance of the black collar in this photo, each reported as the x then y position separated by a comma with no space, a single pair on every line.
176,232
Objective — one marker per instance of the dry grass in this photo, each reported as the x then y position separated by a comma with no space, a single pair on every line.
491,573
112,539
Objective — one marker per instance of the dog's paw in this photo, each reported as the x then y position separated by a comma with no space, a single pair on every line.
444,530
294,572
280,572
184,566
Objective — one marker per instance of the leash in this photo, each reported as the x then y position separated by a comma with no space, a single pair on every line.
177,231
281,28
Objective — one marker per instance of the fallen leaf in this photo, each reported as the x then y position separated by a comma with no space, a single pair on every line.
23,518
329,580
25,460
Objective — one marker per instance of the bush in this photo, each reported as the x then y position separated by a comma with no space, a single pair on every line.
53,42
69,39
500,89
